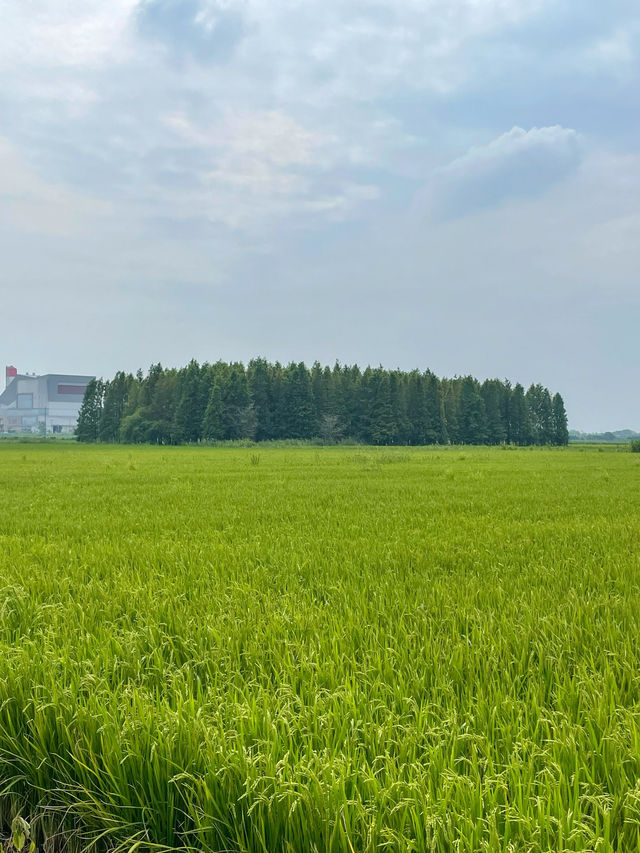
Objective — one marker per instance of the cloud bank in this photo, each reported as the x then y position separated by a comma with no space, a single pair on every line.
518,164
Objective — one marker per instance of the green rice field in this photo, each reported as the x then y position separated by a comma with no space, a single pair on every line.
313,649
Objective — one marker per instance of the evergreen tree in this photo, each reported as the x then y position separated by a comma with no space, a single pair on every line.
504,394
519,421
88,427
540,414
298,411
450,410
160,412
266,401
279,421
116,393
435,427
546,417
381,426
472,421
213,426
320,391
191,404
354,403
423,409
398,395
491,391
259,376
417,413
232,414
560,424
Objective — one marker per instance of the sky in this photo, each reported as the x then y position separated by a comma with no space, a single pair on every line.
442,184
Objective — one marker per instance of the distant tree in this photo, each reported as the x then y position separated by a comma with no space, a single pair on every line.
417,411
398,394
320,383
297,413
193,394
279,420
260,384
224,401
436,432
353,400
88,426
451,410
546,417
116,393
491,391
380,420
423,409
213,425
519,421
331,430
540,414
505,394
230,413
239,417
336,402
161,409
560,424
472,418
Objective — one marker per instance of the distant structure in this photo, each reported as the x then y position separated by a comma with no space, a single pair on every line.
41,405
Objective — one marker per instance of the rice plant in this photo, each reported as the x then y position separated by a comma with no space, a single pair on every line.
320,652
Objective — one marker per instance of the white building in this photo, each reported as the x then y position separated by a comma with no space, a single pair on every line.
41,405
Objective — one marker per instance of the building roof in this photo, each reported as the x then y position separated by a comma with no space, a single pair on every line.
61,387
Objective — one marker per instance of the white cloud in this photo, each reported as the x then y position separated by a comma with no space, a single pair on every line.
519,163
266,136
67,33
265,165
359,48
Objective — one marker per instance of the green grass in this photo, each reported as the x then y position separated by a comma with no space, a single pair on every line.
321,650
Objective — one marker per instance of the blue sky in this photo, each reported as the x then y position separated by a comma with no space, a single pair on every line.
452,184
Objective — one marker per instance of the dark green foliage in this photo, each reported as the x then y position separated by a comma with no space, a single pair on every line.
229,413
116,394
150,408
265,401
472,420
495,395
297,413
88,428
380,418
450,406
560,428
417,410
193,394
540,415
260,384
635,445
519,425
213,427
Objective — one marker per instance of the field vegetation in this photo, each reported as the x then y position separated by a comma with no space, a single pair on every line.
307,649
221,402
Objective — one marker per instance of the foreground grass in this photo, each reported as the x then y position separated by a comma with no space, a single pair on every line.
321,650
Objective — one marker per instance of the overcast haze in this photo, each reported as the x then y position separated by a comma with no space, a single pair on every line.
451,184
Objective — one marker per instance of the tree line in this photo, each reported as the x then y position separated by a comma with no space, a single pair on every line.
265,401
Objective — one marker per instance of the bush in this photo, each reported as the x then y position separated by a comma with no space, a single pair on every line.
635,445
